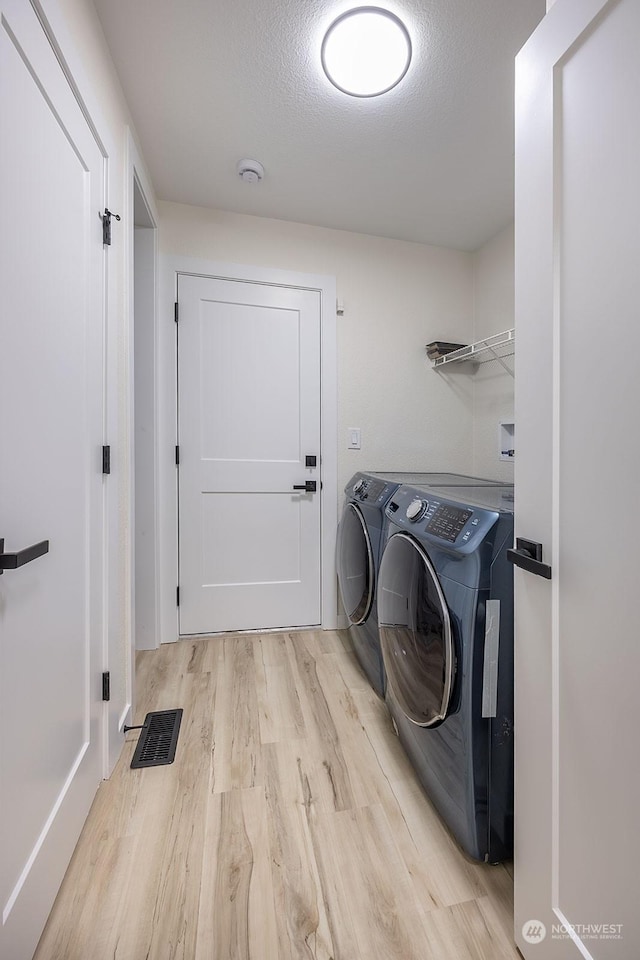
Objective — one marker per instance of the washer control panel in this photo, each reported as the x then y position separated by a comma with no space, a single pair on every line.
448,521
367,488
461,526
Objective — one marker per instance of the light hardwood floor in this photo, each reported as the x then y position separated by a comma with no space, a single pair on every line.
290,826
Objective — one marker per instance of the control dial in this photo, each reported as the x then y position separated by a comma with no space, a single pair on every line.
359,486
417,509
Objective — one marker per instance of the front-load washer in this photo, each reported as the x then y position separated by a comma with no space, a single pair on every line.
445,609
359,549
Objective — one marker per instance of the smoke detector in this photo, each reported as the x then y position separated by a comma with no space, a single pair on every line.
251,171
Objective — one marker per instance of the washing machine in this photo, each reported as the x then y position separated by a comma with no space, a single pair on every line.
359,549
445,611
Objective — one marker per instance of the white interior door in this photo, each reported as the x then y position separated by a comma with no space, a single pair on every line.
51,428
248,417
577,397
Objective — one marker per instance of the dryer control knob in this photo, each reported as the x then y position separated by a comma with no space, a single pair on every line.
417,509
359,486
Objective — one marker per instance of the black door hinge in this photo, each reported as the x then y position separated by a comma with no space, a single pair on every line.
177,596
106,459
106,685
106,226
175,312
177,455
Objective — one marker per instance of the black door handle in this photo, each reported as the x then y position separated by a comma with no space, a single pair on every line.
309,486
528,556
9,561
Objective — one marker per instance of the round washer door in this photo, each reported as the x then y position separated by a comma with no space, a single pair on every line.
415,632
356,573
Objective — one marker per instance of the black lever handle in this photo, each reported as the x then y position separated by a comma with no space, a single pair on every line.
309,486
10,561
528,556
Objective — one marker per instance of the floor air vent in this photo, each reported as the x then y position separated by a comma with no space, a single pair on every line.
158,740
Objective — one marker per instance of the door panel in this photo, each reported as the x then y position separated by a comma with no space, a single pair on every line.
267,561
577,290
249,396
51,408
249,413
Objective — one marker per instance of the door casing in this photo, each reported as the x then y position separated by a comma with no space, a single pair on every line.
143,290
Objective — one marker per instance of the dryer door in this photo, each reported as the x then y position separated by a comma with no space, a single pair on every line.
415,632
356,572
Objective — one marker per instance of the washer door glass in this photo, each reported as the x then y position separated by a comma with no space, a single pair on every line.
415,632
356,574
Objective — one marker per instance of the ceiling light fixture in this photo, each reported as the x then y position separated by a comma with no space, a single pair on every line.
366,52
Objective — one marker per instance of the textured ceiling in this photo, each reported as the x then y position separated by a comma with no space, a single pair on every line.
212,81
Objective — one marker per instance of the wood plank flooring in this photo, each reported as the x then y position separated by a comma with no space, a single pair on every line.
291,825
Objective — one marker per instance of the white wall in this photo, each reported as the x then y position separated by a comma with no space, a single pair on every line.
397,297
493,282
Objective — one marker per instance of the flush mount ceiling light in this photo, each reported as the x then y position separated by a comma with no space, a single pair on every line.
366,52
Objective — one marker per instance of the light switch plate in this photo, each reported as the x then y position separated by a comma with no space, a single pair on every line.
353,438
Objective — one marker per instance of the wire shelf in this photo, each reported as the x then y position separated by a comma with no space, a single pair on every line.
497,347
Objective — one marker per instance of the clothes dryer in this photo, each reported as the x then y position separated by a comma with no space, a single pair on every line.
359,549
358,557
445,608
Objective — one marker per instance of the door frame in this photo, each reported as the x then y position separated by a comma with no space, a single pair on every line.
170,268
137,178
